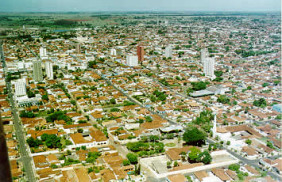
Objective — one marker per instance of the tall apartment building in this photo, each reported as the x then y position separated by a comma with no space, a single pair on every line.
168,51
78,48
204,55
209,67
42,52
49,70
37,71
132,60
140,53
113,52
20,87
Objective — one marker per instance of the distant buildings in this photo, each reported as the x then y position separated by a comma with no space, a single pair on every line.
20,87
42,52
168,51
37,71
49,70
132,60
209,67
140,53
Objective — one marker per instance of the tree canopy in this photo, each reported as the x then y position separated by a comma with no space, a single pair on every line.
223,99
132,158
199,85
260,102
194,136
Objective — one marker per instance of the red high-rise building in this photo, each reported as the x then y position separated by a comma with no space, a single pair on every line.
140,53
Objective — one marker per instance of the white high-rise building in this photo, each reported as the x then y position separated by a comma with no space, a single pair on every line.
209,67
204,55
37,71
214,127
49,70
168,51
113,52
132,60
20,87
42,52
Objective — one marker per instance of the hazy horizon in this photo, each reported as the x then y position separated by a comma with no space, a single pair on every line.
138,6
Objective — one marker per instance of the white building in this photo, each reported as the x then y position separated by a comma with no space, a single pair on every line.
209,67
49,70
42,52
204,55
132,60
113,52
168,51
37,71
214,127
20,87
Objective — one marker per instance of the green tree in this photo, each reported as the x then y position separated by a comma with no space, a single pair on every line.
248,141
260,103
218,73
269,144
125,162
91,64
204,157
265,84
80,130
194,136
113,101
34,142
223,99
199,85
133,159
148,118
168,164
194,154
234,167
45,97
27,114
52,141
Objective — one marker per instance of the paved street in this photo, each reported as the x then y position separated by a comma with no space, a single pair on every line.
23,149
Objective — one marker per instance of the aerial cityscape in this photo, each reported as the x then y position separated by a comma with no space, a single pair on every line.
141,95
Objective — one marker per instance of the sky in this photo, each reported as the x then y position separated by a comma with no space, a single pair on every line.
138,5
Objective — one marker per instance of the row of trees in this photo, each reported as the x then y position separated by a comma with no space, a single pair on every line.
144,148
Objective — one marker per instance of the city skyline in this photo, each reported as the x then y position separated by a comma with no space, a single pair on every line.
146,5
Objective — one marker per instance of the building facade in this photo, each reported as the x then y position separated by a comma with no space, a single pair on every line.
168,51
132,60
49,70
209,67
204,55
140,53
37,71
20,87
42,52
